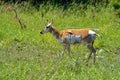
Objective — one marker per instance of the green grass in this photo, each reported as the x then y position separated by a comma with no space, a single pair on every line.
27,55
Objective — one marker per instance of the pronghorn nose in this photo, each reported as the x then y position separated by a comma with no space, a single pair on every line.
41,32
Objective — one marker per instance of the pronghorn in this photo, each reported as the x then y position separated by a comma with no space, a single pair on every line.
73,36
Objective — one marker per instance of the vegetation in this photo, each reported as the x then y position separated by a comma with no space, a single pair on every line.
27,55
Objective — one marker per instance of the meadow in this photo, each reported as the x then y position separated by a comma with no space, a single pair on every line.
25,54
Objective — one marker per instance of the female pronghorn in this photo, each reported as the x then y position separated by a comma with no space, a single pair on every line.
73,36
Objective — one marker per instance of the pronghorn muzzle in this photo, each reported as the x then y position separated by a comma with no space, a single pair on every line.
41,32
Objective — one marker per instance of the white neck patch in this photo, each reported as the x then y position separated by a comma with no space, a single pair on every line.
49,24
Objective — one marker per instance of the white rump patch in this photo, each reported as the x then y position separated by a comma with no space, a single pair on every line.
91,32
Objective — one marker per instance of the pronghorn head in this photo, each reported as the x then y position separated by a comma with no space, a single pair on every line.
47,28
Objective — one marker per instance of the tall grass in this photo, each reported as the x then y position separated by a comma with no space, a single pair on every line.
27,55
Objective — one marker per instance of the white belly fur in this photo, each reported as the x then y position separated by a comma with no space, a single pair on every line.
73,39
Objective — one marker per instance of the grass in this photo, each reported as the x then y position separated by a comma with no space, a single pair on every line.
27,55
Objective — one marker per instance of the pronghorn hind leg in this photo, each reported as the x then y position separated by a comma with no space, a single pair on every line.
88,58
92,50
94,56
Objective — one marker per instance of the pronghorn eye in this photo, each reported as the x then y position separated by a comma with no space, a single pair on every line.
47,26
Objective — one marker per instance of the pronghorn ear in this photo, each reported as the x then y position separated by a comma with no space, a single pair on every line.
47,20
52,21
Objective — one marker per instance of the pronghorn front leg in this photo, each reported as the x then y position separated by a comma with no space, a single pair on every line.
64,48
68,46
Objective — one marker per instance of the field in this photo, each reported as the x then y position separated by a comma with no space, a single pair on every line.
25,54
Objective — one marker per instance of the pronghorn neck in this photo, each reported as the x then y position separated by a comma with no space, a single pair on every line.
54,32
